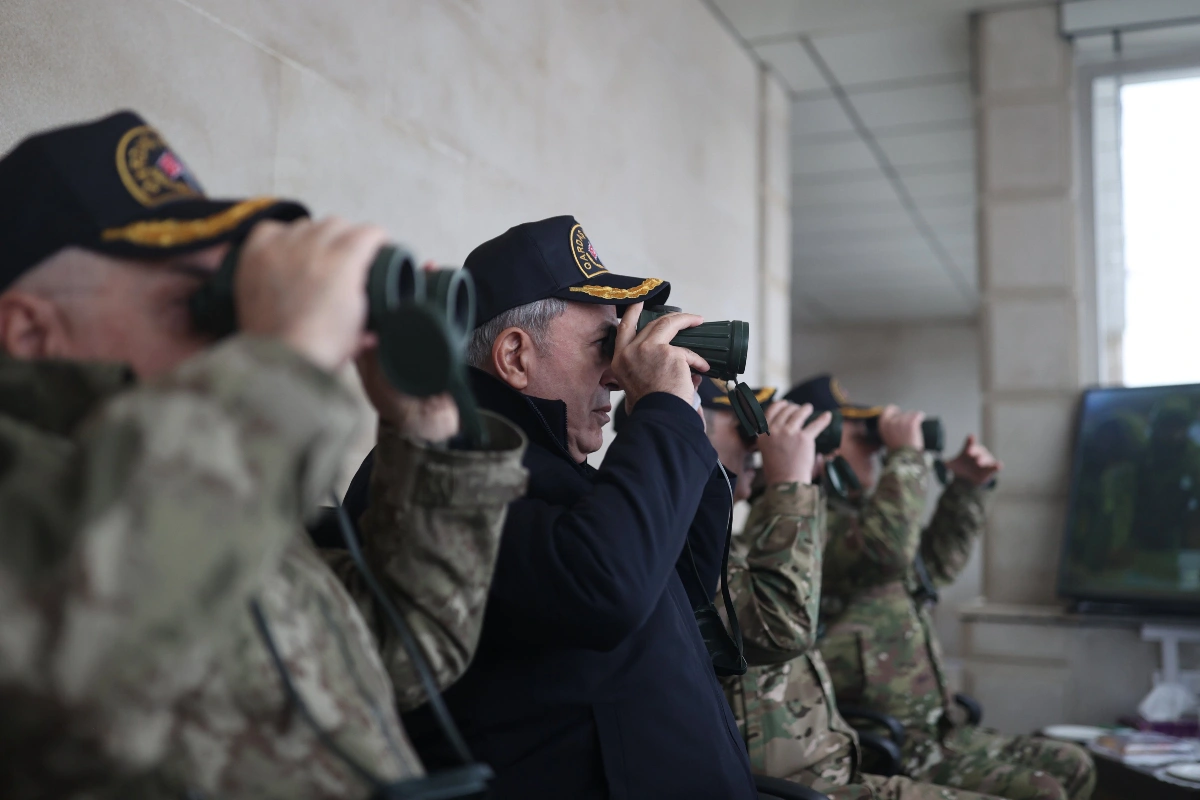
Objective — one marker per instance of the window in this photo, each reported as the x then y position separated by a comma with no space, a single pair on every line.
1146,172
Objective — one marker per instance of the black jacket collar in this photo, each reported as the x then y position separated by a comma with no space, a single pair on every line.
543,421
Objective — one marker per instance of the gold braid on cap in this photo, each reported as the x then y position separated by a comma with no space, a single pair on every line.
612,293
861,413
762,395
174,232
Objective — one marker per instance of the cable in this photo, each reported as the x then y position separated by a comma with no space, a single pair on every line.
294,698
407,641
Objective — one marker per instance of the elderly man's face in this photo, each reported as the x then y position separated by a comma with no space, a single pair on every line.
83,306
574,369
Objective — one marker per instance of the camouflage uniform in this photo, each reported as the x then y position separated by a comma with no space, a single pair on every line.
883,651
785,703
139,523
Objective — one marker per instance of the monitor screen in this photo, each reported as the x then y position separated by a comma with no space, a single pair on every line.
1133,523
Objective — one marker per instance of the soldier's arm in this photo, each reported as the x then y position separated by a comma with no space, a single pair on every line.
775,573
430,535
152,529
877,543
947,541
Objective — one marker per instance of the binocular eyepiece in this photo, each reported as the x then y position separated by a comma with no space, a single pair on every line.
422,318
722,344
932,431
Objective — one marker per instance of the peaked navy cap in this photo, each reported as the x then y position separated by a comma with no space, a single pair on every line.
114,186
826,394
550,258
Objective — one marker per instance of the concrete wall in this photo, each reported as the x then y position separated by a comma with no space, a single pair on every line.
447,122
933,367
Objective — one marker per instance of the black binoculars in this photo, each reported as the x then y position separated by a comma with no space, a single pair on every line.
422,318
829,439
722,344
932,431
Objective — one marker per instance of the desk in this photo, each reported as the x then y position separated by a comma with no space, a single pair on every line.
1119,781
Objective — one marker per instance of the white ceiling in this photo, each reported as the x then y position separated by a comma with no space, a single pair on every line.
883,152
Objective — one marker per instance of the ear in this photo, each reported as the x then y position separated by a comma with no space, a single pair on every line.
30,326
512,358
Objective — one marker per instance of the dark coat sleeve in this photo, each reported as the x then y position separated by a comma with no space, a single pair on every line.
588,575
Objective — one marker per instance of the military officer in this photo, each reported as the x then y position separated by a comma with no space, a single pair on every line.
785,703
166,630
880,643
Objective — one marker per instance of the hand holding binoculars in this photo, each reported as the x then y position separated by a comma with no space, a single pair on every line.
421,318
932,431
723,345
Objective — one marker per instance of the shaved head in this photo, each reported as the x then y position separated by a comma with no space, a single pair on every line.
85,306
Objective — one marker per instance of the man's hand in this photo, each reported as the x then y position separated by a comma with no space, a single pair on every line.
645,362
305,282
432,419
789,454
975,464
901,429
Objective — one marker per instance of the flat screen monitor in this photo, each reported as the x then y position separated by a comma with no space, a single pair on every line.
1133,524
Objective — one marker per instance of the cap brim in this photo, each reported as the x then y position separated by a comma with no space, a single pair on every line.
190,225
617,290
765,396
860,412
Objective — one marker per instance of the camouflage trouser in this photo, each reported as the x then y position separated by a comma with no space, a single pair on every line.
1013,767
876,787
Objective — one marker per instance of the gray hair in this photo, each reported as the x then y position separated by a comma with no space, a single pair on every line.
533,318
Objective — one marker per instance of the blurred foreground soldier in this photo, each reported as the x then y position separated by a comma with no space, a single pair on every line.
156,585
880,577
592,679
785,703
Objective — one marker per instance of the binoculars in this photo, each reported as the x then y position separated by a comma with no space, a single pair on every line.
722,344
422,319
829,439
932,431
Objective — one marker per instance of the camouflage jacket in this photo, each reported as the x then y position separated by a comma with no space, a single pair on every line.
139,522
880,642
784,704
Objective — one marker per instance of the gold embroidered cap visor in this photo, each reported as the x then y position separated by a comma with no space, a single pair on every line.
551,258
824,393
114,186
714,395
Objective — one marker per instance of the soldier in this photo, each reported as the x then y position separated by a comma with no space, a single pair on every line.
785,703
880,644
166,630
592,678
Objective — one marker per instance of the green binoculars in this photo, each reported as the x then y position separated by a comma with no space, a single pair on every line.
722,344
422,318
932,431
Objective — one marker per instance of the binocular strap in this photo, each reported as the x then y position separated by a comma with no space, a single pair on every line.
926,590
467,780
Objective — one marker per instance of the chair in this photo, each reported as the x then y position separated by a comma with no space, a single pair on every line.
779,789
884,754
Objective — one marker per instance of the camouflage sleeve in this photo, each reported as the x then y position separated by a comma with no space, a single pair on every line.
431,535
876,544
130,546
947,541
775,573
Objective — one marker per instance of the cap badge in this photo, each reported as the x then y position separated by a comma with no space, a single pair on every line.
151,171
585,254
